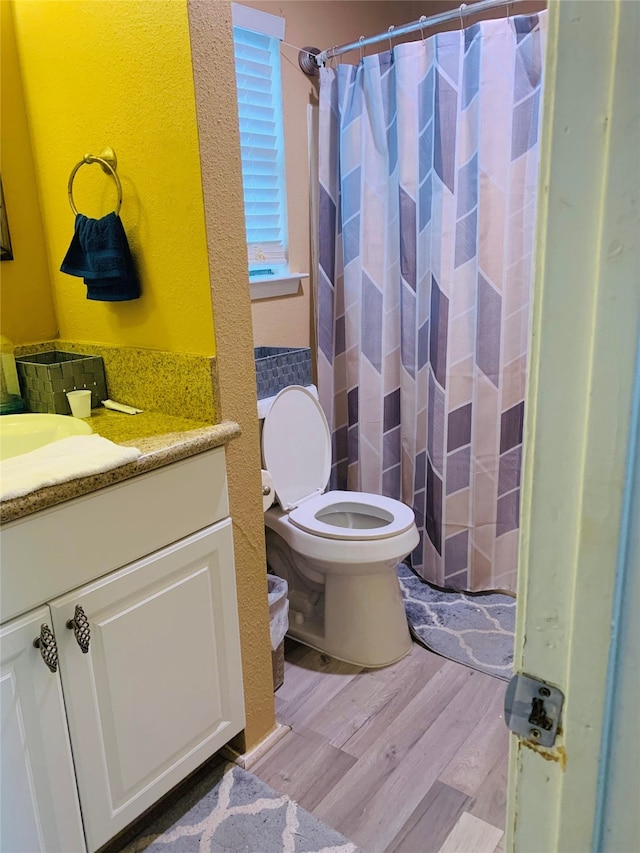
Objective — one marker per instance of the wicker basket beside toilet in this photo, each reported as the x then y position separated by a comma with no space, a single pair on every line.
278,367
277,666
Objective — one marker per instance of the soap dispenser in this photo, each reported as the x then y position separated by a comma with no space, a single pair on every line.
10,399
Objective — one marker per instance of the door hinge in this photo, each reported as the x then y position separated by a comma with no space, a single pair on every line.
532,709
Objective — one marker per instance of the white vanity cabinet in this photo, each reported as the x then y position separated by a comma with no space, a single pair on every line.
39,808
156,693
159,688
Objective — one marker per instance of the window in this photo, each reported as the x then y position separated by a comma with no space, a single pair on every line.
256,37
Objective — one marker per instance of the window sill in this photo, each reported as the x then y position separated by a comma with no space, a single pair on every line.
272,285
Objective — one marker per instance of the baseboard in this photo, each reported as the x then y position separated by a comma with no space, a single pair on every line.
247,759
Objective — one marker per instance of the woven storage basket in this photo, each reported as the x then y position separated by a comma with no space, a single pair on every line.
278,367
46,377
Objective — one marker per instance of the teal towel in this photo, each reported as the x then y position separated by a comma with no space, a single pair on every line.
95,250
99,253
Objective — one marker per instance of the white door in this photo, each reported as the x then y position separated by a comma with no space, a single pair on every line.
160,689
585,310
38,797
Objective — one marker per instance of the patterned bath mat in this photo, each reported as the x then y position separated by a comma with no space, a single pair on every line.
476,630
232,810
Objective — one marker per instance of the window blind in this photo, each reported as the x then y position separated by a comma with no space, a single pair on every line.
257,61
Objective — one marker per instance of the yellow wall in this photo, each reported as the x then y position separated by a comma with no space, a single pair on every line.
26,303
119,74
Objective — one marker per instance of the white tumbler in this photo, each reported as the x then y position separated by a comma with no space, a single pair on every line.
80,402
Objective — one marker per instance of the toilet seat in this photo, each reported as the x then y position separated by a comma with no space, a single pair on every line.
296,448
336,515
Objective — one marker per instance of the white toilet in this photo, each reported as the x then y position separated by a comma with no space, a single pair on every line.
338,551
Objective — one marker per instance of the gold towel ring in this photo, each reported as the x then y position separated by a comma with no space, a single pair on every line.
108,162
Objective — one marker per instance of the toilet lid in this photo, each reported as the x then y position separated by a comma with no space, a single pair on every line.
296,446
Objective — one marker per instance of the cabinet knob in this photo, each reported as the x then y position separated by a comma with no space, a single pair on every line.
46,642
80,627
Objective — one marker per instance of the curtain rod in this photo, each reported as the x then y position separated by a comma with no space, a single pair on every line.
311,58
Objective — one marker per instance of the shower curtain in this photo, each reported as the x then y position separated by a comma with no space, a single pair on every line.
428,161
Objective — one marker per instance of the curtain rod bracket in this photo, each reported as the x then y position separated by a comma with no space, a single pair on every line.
307,61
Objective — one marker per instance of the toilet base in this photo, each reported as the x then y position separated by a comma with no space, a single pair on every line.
358,618
308,640
364,622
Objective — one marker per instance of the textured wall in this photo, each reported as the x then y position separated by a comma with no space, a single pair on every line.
212,55
26,303
119,74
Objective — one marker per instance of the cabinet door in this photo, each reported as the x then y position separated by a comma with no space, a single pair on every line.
160,688
38,798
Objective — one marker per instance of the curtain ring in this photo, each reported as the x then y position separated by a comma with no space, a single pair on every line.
390,31
361,39
423,18
463,6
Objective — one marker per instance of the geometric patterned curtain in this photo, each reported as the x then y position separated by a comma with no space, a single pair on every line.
428,160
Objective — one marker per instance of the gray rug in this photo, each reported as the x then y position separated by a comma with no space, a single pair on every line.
232,810
476,630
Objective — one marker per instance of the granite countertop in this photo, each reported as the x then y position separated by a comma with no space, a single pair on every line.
161,438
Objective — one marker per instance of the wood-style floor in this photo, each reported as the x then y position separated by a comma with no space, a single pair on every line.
407,759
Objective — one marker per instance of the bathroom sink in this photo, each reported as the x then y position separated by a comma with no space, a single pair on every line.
22,433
